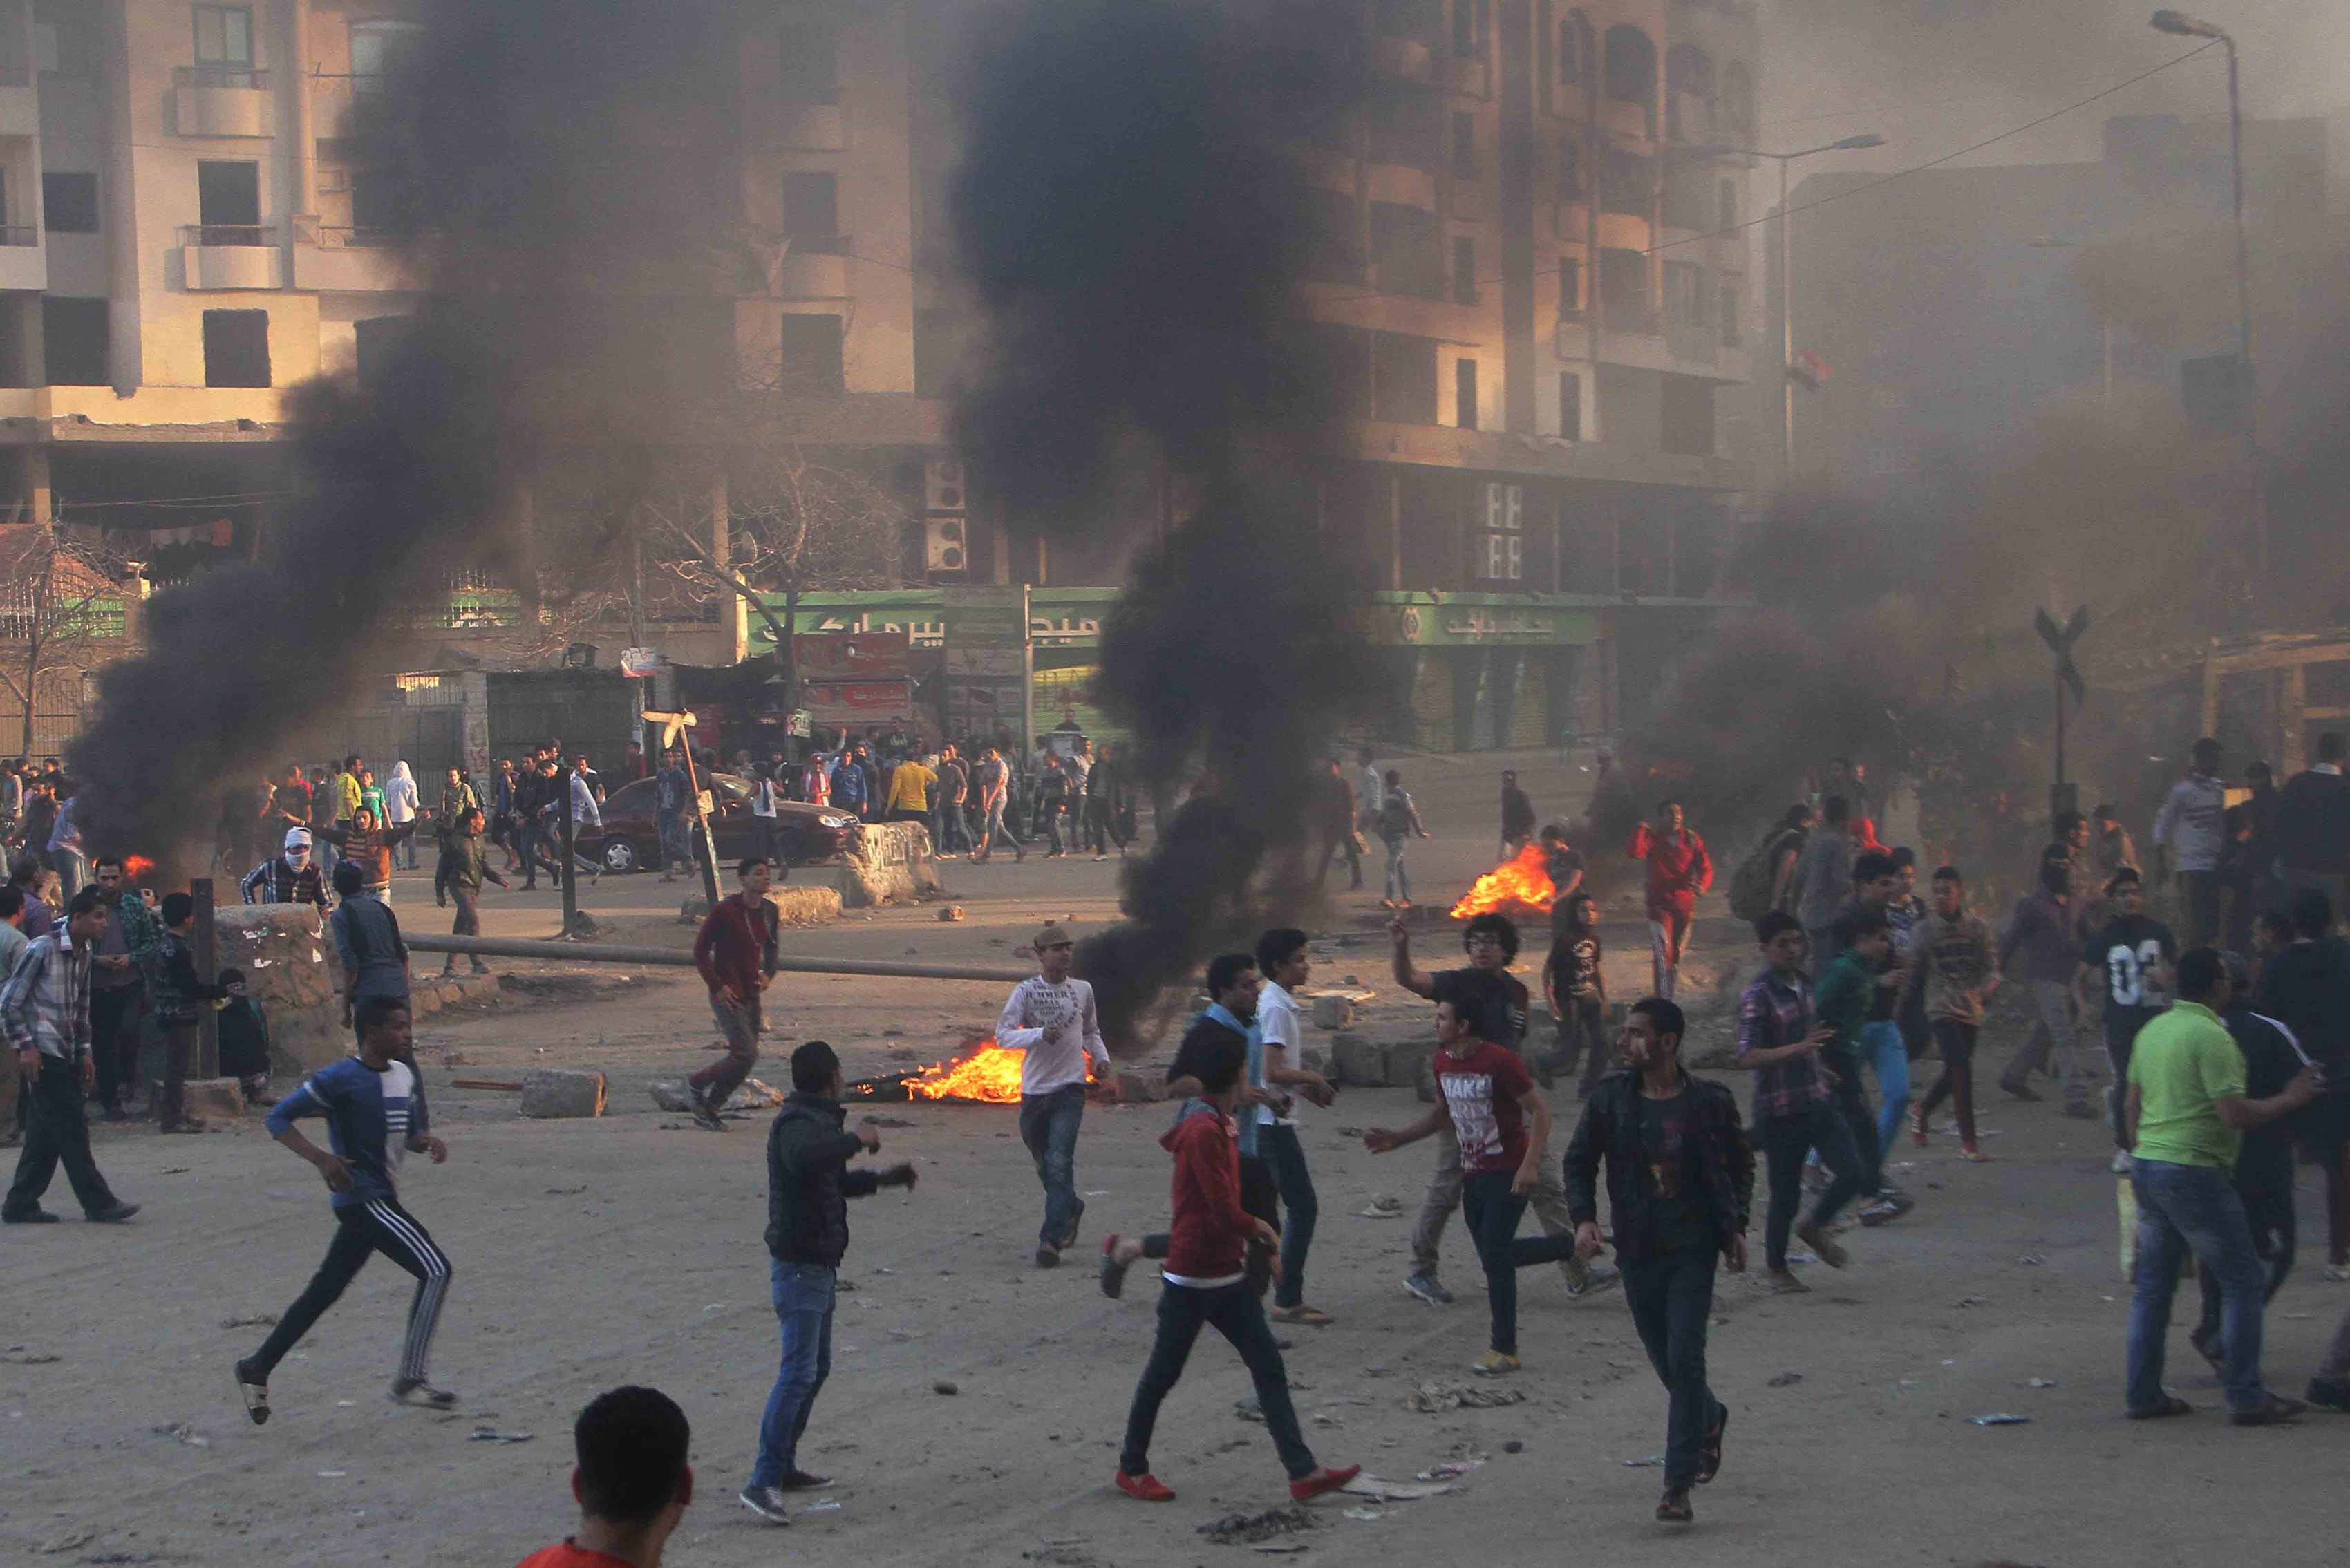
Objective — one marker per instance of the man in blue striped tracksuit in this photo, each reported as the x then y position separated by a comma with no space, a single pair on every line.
365,1100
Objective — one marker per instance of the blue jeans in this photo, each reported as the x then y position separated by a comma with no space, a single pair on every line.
1281,1149
664,837
1048,1125
804,1299
1398,879
1882,1047
2182,1208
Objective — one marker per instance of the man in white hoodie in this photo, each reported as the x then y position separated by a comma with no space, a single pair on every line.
399,803
1053,1018
2191,828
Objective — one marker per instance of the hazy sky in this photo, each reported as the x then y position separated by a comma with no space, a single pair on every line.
1933,76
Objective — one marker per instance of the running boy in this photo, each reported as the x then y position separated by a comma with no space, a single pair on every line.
1577,990
365,1100
1678,870
1954,963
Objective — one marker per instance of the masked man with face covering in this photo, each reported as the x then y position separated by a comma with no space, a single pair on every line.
291,877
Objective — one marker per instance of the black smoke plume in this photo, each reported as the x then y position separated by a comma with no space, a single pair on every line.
1132,228
530,156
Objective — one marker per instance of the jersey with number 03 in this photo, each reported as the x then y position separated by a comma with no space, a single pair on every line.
2126,970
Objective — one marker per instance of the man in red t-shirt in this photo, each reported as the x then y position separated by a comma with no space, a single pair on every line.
1491,1107
632,1481
1678,870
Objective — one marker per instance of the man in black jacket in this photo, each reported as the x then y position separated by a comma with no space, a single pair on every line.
1680,1181
808,1188
2312,822
2306,988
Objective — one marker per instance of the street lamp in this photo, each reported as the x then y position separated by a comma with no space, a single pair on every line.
1786,283
2180,25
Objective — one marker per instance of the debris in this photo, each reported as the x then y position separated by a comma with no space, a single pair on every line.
950,913
1653,1462
567,1191
2037,1383
1803,1257
1998,1419
2032,1259
184,1433
1384,1490
1367,1515
945,1385
1512,1446
1785,1379
1350,1132
67,1541
1234,1529
17,1356
1974,1301
1430,1398
827,1506
1279,1548
891,1122
485,1435
332,1475
1451,1470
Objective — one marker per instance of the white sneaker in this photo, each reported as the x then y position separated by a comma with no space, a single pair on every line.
2121,1166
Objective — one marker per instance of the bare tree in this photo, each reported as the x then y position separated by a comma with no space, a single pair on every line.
61,613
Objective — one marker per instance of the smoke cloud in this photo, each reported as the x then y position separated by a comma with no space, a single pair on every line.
1133,234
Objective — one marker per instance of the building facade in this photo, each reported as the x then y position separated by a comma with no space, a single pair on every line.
1530,264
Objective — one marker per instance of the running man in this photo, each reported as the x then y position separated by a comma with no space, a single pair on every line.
365,1100
1283,959
1680,1181
735,951
1052,1017
1489,1109
1678,870
1954,965
1780,1039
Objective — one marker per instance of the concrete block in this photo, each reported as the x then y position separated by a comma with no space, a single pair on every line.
1408,1062
210,1099
553,1092
1315,1060
1333,1011
1141,1087
797,904
1360,1063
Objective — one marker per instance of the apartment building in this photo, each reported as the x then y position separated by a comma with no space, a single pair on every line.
1530,274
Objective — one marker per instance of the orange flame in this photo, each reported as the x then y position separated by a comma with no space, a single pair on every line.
136,868
1517,886
986,1072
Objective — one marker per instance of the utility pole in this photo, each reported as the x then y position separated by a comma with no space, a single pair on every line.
2064,796
673,726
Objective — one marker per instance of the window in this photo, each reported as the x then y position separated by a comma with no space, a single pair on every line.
237,347
937,348
812,362
1464,393
1738,98
379,338
1465,270
1629,65
1500,543
1688,190
1403,377
1685,299
812,213
228,206
1407,248
381,50
14,69
225,35
1688,416
1570,287
1334,236
1731,333
63,37
1407,124
1573,32
1688,94
1627,182
70,203
1469,26
1464,145
811,63
1624,291
74,340
1570,169
1570,405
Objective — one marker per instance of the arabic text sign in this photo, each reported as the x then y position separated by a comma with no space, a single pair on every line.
859,656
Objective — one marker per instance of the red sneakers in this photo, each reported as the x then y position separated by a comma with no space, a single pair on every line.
1325,1480
1149,1487
1918,1123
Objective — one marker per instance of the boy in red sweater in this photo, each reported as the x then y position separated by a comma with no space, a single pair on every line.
1205,1282
1678,870
735,951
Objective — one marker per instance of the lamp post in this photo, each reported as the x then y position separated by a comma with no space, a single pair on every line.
1786,284
2180,25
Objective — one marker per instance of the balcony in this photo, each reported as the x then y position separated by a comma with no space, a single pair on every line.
229,255
335,259
220,100
815,269
24,261
816,127
1400,57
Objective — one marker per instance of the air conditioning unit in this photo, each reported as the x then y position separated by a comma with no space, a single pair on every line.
942,487
944,546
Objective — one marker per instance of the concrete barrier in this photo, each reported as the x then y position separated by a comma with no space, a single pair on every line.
289,965
892,864
795,904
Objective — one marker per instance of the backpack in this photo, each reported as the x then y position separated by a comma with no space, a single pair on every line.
1395,815
1751,884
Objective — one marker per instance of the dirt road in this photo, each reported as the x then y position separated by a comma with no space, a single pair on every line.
627,1248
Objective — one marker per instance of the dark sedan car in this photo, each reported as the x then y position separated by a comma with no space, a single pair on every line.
628,839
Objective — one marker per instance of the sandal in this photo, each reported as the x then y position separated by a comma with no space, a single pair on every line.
2172,1405
1313,1316
1709,1463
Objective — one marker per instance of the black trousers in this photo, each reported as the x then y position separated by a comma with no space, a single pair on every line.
1237,1315
1493,1212
114,1043
1852,1104
56,1133
2269,1212
1671,1298
1583,1030
378,1225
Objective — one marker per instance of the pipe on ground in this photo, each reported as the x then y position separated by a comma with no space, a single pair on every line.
677,958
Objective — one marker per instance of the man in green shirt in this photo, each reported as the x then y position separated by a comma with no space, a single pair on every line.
2184,1115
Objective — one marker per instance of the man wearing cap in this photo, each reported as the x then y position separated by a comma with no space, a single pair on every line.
290,878
1053,1020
